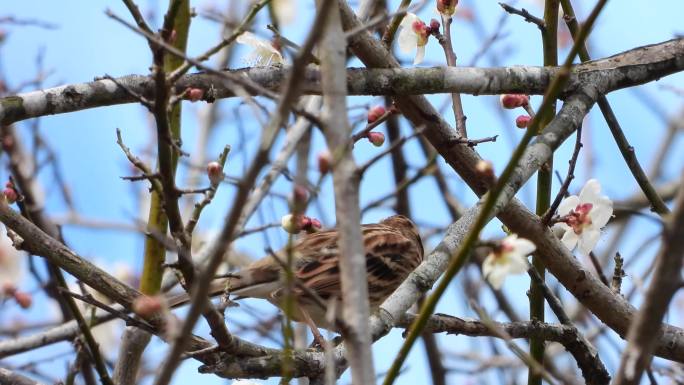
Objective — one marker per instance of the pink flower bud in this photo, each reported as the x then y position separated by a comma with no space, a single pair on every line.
11,195
522,121
194,94
316,223
377,138
215,173
303,222
434,25
446,7
23,299
299,194
312,225
324,161
149,306
510,101
375,113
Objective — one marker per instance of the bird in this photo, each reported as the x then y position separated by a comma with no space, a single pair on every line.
392,247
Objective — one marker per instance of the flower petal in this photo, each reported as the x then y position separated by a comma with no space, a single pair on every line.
517,264
570,239
591,192
488,264
264,53
524,247
407,39
420,54
588,240
496,277
567,204
562,226
11,263
601,212
408,20
249,39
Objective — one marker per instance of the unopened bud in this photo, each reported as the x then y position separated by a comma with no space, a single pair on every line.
314,225
194,94
522,121
11,195
375,113
485,169
149,306
324,161
446,7
215,173
299,195
291,223
377,138
23,299
434,25
510,101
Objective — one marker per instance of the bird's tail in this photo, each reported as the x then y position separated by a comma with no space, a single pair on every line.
257,281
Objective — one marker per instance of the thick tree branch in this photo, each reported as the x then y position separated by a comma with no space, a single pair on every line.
36,242
627,69
12,378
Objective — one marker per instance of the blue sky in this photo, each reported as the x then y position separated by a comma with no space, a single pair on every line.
88,44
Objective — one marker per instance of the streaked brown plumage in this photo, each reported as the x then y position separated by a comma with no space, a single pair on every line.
393,249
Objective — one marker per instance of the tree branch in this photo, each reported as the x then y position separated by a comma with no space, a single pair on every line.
630,68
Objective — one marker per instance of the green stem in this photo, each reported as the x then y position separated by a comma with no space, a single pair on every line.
544,184
155,253
489,200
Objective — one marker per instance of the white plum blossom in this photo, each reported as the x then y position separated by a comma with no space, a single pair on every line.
11,266
508,258
263,52
583,216
413,35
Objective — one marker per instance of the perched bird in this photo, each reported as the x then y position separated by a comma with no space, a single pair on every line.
393,249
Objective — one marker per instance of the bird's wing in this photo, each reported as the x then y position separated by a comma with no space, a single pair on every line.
390,256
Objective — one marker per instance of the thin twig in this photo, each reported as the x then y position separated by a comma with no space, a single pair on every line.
546,219
525,14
